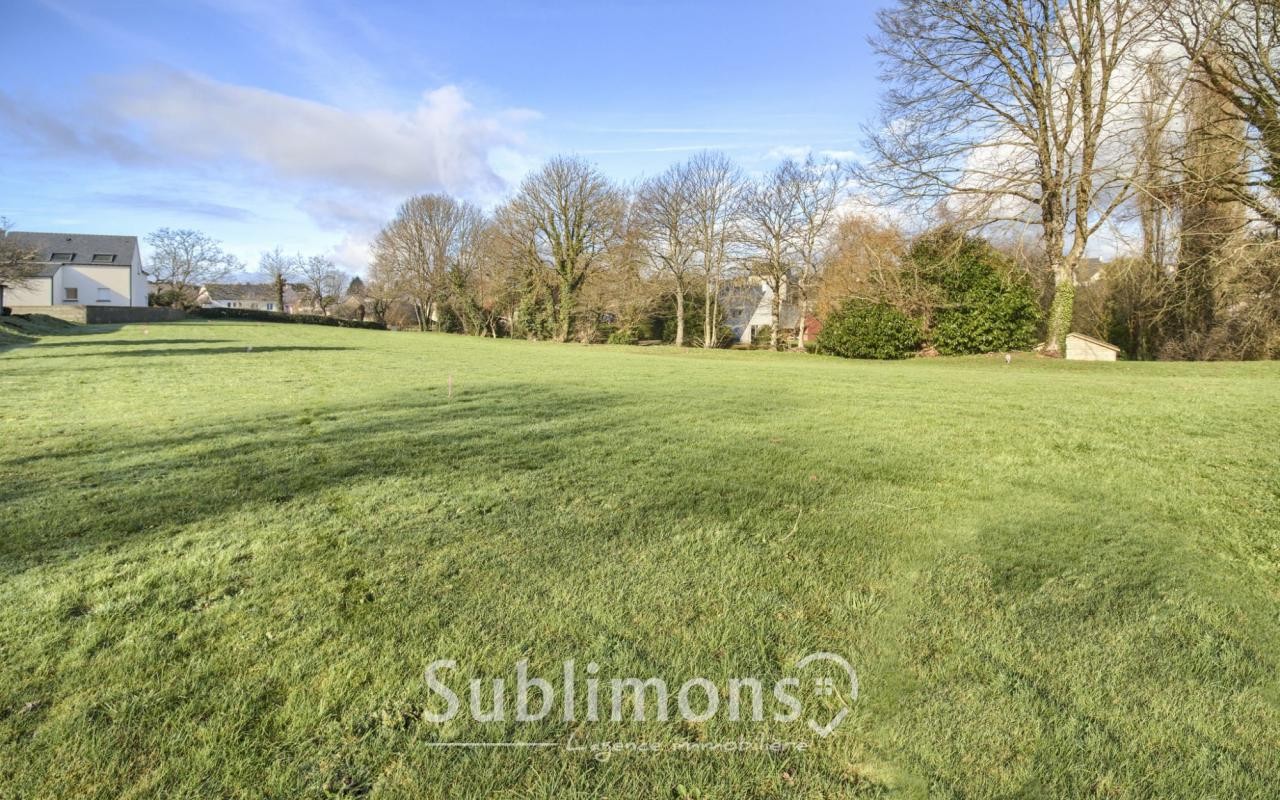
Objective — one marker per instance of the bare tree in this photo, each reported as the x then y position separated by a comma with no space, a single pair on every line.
1013,108
570,215
517,266
324,282
465,269
820,185
771,221
17,262
1234,45
430,235
624,291
717,187
666,219
866,261
1157,184
182,260
382,291
280,268
1213,211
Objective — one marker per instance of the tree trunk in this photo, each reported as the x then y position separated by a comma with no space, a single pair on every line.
706,317
801,307
1061,311
775,313
679,316
1062,306
566,311
714,339
279,293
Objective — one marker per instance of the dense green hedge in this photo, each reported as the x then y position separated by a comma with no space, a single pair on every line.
983,304
988,322
863,329
276,316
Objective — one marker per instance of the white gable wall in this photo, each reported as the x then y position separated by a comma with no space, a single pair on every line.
36,293
138,279
96,286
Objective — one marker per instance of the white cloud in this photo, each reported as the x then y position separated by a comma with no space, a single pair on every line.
353,254
345,169
440,143
785,151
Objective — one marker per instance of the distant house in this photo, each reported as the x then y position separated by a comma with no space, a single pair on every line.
256,296
80,269
748,307
1087,348
1090,271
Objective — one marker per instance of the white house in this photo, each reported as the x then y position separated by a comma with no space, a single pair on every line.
257,296
80,269
1087,348
748,307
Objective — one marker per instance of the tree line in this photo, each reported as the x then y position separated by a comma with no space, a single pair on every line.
574,254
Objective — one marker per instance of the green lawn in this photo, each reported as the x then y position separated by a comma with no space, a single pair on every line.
225,570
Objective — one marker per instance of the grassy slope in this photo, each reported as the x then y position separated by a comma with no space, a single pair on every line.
223,571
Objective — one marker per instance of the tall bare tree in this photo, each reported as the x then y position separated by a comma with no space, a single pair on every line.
771,221
1213,211
570,214
430,235
1157,180
183,259
1235,46
280,268
666,218
717,186
465,269
324,282
1014,109
820,186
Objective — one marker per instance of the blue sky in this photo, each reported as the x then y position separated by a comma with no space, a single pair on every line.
303,124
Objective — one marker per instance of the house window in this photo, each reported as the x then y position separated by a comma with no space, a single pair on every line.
104,258
70,294
104,295
63,257
271,306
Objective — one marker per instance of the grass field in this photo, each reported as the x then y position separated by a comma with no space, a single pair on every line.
225,570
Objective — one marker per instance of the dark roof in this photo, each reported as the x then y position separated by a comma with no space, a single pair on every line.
240,292
83,247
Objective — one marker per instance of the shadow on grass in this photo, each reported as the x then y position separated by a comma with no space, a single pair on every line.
52,327
132,342
195,351
138,484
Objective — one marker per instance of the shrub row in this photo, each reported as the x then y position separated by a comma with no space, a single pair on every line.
972,295
276,316
863,329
